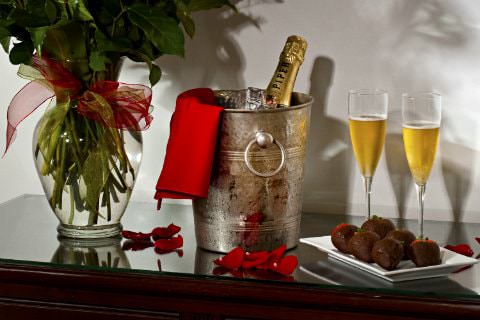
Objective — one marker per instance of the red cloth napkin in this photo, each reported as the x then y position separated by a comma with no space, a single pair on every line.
191,147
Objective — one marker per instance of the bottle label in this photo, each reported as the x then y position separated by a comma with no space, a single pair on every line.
281,75
280,88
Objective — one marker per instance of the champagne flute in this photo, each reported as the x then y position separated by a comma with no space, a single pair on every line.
421,113
367,111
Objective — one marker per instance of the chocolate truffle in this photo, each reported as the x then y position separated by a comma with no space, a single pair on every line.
387,253
405,237
361,244
424,253
378,225
341,235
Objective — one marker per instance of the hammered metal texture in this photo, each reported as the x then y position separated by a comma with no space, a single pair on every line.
243,209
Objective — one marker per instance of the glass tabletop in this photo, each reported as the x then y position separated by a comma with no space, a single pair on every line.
28,231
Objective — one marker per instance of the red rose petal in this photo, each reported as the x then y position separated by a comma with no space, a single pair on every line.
268,275
285,266
463,249
220,271
163,233
253,256
136,236
160,251
478,239
136,245
277,253
236,273
253,259
169,244
263,266
232,260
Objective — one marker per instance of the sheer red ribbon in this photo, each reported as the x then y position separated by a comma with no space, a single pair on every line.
114,104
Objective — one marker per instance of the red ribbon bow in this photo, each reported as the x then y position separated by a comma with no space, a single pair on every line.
114,104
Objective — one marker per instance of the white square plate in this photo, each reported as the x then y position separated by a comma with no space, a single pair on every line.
406,270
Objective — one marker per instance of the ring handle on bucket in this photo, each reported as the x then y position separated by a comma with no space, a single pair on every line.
263,140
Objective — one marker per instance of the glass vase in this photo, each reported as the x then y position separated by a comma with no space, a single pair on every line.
86,168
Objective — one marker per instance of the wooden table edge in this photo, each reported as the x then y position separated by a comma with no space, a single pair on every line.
162,293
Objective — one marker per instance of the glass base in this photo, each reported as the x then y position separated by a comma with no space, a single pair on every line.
89,243
89,232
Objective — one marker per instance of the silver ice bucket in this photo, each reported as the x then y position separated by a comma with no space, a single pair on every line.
255,195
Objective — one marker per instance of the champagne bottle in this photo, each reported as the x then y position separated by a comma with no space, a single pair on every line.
280,88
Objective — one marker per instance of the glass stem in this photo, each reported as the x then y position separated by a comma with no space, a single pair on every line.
367,181
421,198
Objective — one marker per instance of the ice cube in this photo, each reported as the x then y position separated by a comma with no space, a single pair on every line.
231,99
249,99
255,99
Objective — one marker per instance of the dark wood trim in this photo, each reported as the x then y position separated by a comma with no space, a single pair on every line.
129,295
23,309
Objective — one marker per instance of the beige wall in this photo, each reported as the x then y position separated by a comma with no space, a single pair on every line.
397,45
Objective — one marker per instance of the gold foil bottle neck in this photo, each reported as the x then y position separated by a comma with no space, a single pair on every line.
294,49
280,88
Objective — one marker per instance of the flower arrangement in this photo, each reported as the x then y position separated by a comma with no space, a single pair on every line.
99,31
71,51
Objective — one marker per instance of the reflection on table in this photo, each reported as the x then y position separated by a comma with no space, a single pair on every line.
103,253
335,272
30,229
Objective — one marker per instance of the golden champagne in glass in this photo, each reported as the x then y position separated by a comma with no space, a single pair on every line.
368,137
421,141
421,114
367,110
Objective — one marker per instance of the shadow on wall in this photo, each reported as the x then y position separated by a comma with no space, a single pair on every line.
213,58
432,21
457,163
431,33
326,188
399,172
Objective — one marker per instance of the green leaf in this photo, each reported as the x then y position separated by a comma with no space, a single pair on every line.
98,60
5,42
81,12
155,74
197,5
38,36
5,20
94,177
49,129
104,16
51,10
21,53
147,49
27,19
4,32
160,29
5,38
66,41
114,7
119,44
184,16
40,12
